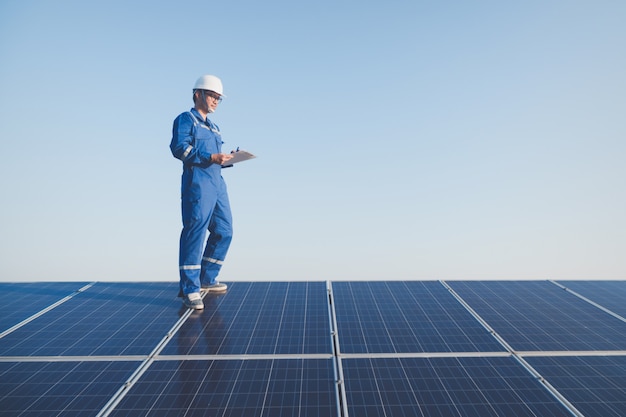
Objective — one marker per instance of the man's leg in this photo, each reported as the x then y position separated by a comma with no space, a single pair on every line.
220,236
196,219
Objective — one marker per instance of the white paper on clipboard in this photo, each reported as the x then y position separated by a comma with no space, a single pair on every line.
238,156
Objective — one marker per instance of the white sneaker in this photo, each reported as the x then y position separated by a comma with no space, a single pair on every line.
193,300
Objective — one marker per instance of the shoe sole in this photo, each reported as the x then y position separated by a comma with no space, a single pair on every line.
214,289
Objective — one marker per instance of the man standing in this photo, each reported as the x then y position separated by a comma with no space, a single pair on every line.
197,142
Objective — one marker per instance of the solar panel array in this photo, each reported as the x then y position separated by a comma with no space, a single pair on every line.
342,348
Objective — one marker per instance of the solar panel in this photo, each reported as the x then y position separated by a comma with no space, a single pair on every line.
610,294
19,301
405,316
106,319
258,318
259,387
596,385
540,316
446,387
398,348
60,388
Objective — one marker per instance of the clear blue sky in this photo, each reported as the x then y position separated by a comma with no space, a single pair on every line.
395,140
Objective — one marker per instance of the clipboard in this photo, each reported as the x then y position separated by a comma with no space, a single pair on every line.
238,156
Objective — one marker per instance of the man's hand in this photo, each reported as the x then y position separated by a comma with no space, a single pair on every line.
220,158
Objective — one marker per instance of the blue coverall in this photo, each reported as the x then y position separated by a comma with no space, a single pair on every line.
205,204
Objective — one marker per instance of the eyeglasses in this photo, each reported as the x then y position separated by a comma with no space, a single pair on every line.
213,95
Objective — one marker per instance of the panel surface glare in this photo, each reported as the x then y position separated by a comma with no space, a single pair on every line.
258,318
540,316
405,316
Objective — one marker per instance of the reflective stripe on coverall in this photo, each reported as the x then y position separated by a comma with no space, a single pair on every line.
204,201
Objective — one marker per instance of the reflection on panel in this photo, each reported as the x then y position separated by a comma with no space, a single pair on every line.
258,318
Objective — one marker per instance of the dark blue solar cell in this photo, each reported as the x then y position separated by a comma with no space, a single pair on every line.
609,294
106,319
446,387
60,388
595,385
279,387
538,315
19,301
405,316
258,318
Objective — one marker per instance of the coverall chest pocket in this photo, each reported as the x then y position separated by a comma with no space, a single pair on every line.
208,141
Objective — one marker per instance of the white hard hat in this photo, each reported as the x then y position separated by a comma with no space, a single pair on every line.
210,82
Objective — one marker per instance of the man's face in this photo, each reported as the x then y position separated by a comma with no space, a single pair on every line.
211,100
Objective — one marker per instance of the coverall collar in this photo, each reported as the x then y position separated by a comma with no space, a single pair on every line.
199,116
